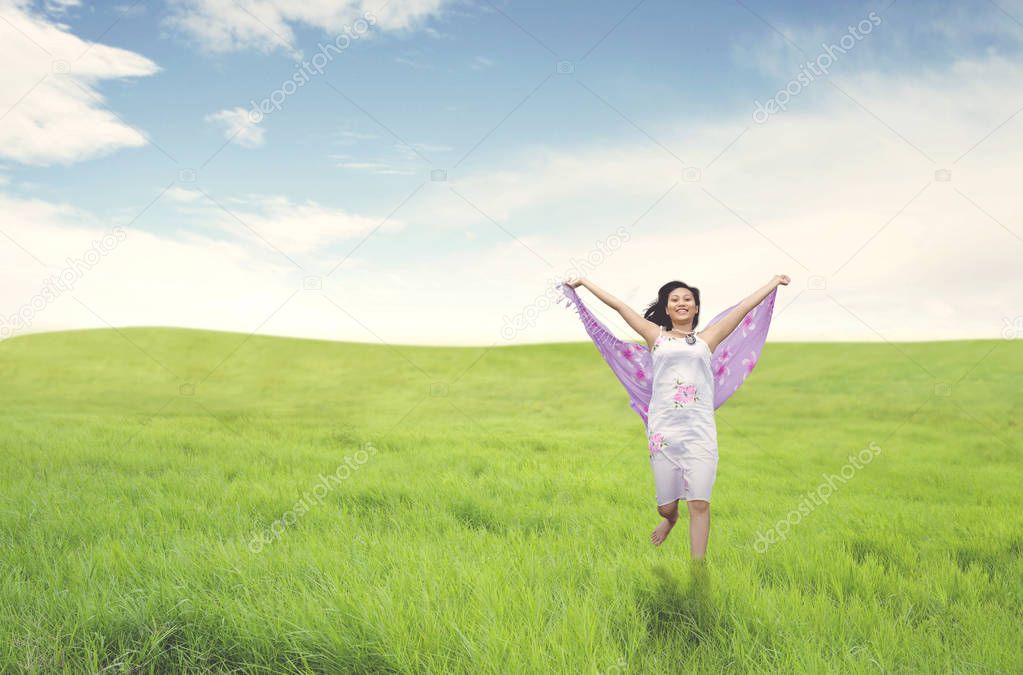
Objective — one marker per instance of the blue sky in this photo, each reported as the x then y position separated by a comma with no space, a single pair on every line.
659,61
541,162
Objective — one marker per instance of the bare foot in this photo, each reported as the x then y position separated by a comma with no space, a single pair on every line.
662,531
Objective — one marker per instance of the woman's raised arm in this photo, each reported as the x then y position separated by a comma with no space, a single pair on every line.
647,329
713,335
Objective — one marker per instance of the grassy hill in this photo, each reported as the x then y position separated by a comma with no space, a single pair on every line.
489,510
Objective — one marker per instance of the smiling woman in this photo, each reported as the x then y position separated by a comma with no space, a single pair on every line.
676,384
734,356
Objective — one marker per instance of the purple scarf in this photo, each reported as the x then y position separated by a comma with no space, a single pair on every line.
732,361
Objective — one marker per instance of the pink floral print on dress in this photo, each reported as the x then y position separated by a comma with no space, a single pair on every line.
685,393
657,442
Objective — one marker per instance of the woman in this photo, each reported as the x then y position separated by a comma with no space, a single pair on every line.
681,430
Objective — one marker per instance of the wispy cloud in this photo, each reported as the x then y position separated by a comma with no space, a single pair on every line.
267,26
294,227
413,63
397,159
379,168
481,63
238,127
58,7
350,137
130,10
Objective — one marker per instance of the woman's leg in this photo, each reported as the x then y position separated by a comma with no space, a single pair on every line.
699,527
669,512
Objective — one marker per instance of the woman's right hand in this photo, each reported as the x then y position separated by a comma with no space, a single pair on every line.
574,282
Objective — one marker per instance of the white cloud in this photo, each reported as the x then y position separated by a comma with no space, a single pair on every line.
378,168
224,25
480,63
412,63
182,195
397,160
410,152
130,10
189,279
238,127
434,33
58,7
813,186
51,111
350,137
297,229
145,279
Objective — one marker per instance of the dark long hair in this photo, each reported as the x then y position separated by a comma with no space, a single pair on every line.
657,311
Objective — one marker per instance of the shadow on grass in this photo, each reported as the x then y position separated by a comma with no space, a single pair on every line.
677,611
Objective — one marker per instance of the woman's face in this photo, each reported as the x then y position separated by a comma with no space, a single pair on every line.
682,305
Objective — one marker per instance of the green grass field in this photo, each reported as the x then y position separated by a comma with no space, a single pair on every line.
494,511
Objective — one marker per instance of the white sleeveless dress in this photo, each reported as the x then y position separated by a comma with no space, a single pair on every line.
681,430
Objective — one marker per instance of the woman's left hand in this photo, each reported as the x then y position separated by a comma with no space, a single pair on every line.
781,280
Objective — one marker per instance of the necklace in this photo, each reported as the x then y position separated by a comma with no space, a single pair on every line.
690,336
